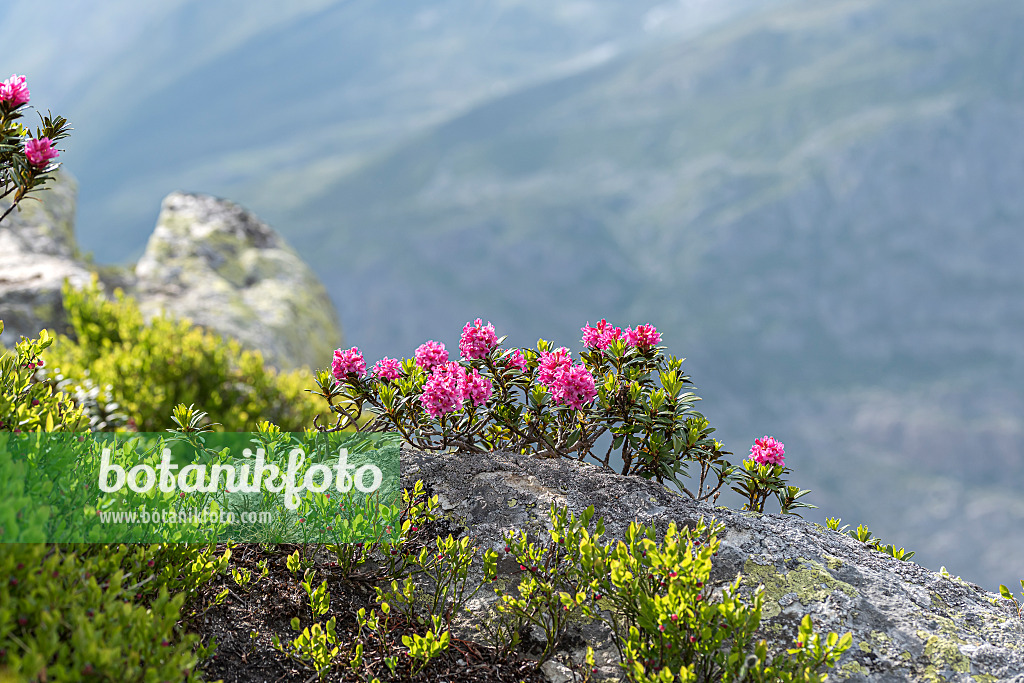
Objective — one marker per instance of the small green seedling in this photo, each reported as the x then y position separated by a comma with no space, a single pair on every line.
424,649
1007,595
833,524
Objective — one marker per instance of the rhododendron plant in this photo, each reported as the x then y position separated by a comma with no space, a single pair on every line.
761,477
621,389
26,160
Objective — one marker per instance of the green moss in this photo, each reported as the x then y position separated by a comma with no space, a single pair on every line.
864,647
984,678
811,583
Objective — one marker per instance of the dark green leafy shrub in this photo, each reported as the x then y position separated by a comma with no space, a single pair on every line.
148,368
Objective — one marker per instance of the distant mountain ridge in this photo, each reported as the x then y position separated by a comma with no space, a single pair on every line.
819,205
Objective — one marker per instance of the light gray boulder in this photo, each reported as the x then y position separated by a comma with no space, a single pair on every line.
217,264
37,252
908,623
208,260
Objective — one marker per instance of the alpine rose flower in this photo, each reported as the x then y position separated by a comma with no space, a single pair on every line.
550,363
477,340
767,451
573,387
600,336
442,393
14,92
346,362
476,389
515,360
387,368
643,337
39,152
431,354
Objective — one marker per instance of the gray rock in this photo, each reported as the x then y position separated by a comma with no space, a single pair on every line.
37,253
215,263
208,260
908,623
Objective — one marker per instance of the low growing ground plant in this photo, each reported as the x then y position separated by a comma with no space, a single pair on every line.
147,368
864,535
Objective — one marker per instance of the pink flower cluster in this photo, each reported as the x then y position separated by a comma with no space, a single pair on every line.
515,360
14,92
570,385
441,393
767,451
450,386
600,336
643,337
551,362
39,152
431,354
477,340
574,387
346,362
387,368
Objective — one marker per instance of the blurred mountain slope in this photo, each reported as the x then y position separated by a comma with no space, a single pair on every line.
819,204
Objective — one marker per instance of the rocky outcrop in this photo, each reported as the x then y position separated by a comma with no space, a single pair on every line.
908,623
37,253
217,264
208,260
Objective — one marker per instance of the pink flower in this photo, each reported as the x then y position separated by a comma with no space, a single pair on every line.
387,368
430,354
515,359
347,362
600,336
442,392
643,337
573,386
14,92
476,389
39,152
767,451
550,363
477,341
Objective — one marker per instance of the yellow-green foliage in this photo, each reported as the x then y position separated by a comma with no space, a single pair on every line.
26,403
154,366
99,613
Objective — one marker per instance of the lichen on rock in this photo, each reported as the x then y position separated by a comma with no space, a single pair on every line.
903,633
215,263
